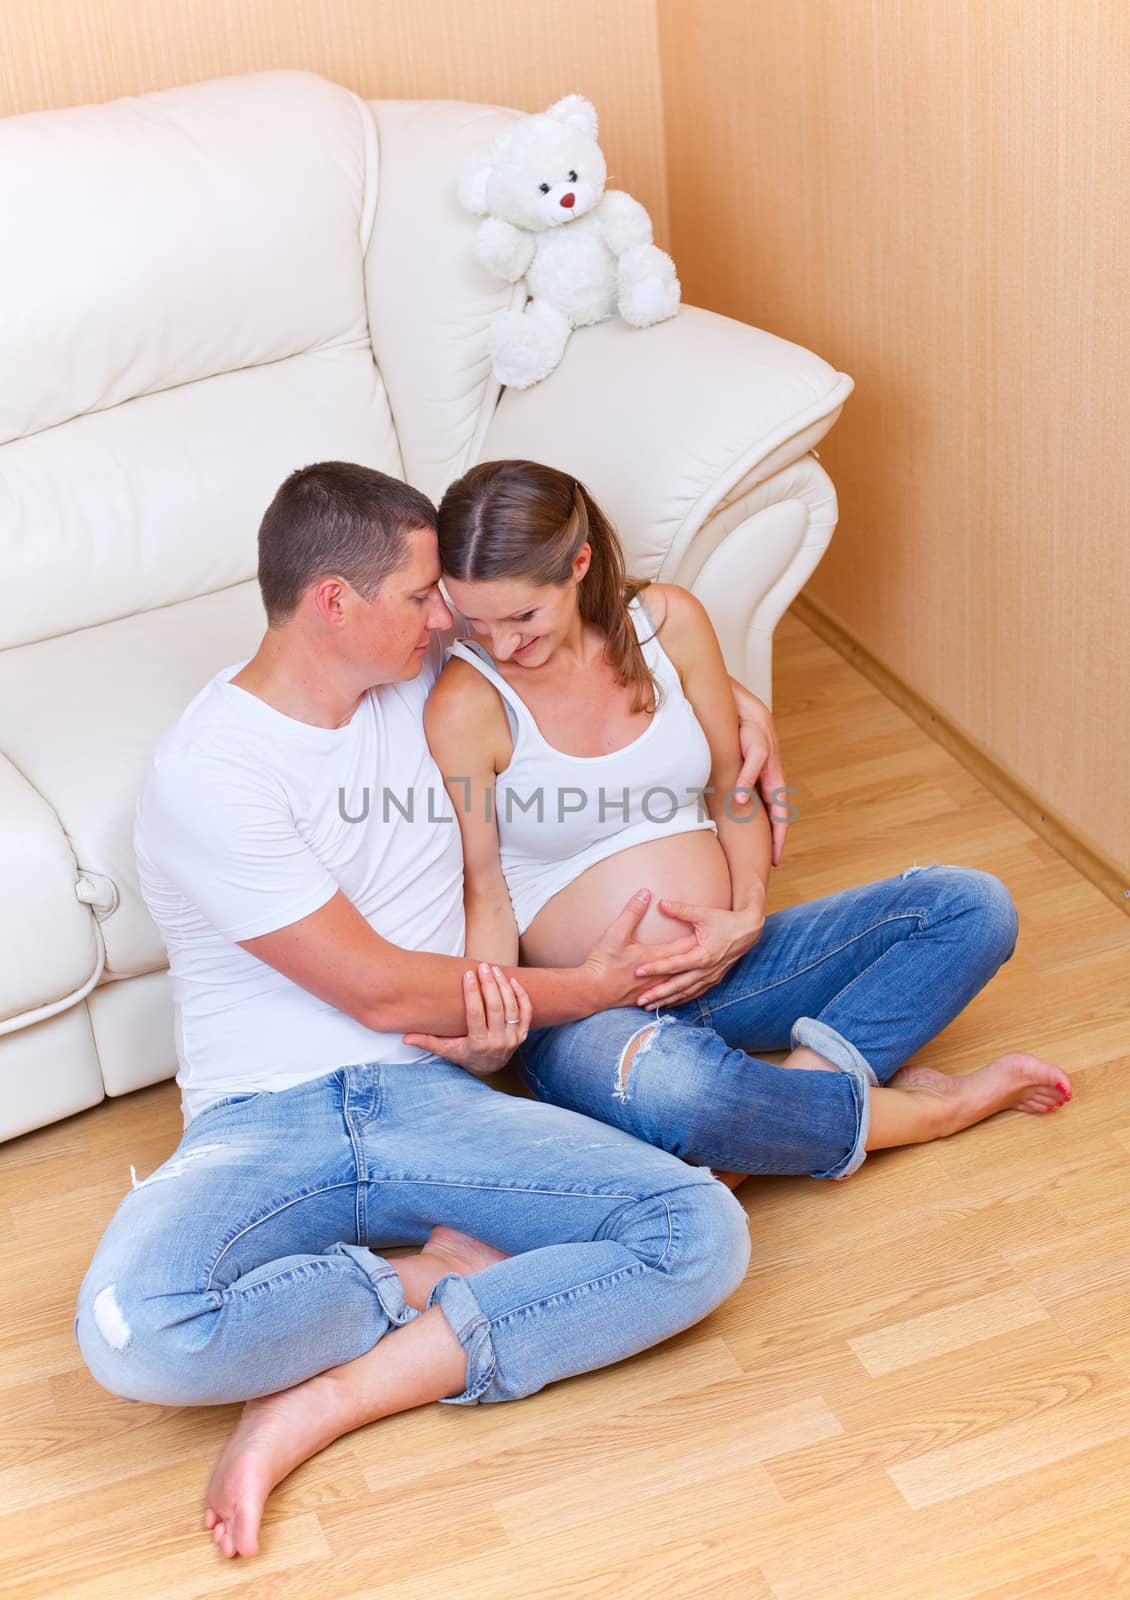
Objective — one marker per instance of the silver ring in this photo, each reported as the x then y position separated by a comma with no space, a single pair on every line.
511,1022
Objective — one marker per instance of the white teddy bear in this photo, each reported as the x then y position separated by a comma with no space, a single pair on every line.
586,253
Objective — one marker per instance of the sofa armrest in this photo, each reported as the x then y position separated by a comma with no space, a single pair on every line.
666,424
51,951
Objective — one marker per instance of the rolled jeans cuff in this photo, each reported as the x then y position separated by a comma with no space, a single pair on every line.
471,1326
385,1280
845,1058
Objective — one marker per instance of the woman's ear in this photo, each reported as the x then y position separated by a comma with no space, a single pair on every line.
581,562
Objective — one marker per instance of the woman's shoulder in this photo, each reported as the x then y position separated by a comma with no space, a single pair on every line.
464,704
460,688
680,619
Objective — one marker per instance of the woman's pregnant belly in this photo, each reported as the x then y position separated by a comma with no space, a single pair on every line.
687,866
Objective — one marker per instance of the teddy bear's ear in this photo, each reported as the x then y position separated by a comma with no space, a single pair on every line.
473,190
576,112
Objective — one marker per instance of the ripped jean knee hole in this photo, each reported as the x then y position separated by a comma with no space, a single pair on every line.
634,1050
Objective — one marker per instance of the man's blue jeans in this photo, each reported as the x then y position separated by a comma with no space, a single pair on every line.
864,977
242,1265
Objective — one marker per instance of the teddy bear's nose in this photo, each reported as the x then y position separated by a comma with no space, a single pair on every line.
568,201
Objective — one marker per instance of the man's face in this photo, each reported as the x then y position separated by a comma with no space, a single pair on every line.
396,625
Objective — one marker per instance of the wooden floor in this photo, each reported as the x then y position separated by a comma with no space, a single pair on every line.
921,1390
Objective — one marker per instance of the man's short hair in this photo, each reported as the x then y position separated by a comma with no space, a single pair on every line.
335,519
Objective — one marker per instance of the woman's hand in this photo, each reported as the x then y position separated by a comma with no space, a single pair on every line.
761,762
610,971
720,939
499,1014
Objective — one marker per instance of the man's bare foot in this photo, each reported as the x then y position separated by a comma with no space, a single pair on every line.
458,1252
272,1437
1016,1081
279,1431
446,1251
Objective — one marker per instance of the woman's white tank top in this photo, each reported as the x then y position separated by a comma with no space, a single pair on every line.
557,815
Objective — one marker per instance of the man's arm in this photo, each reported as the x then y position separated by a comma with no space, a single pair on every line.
336,955
761,762
690,641
228,840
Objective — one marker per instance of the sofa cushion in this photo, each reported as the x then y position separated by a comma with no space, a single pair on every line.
171,237
132,1024
160,499
47,1071
181,326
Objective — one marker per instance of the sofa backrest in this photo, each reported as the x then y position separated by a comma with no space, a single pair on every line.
430,303
183,320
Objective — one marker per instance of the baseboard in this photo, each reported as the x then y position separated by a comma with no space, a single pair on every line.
1086,857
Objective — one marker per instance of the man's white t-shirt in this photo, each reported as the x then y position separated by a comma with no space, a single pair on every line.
250,820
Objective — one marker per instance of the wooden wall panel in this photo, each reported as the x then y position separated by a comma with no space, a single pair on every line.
66,52
937,199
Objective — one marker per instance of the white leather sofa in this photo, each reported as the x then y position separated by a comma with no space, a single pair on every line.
200,290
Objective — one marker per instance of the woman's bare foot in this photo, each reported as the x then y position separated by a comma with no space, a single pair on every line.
1015,1081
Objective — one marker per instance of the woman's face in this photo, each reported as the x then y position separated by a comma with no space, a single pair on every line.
519,621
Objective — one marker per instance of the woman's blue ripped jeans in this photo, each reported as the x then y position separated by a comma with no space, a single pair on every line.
864,977
244,1265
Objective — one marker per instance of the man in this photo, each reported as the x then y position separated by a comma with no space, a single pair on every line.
311,902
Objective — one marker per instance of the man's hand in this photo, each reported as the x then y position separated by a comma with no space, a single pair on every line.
761,761
720,939
499,1014
611,966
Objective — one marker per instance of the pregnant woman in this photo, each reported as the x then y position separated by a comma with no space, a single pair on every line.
588,739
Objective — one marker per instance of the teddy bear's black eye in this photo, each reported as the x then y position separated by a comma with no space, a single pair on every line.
544,187
572,176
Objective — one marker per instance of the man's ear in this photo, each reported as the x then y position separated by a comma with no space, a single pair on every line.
328,596
473,190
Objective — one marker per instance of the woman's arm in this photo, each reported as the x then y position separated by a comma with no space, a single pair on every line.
470,741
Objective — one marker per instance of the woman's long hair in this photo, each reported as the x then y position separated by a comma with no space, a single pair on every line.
519,519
